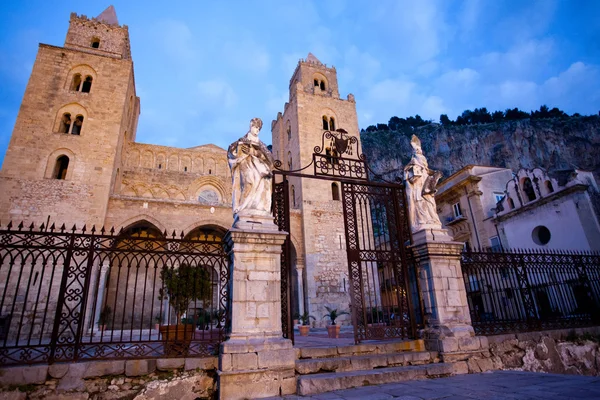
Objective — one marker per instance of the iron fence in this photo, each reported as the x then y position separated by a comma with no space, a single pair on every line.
69,295
527,290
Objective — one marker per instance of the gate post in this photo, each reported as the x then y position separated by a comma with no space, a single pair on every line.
256,361
448,326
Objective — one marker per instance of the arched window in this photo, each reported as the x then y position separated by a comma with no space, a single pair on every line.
325,123
290,163
77,125
528,189
76,84
60,169
87,84
289,132
511,203
332,124
335,191
322,85
549,187
95,42
316,82
293,193
65,123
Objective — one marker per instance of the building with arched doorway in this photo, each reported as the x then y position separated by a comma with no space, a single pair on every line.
76,161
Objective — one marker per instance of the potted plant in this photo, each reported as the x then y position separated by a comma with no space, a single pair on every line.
104,317
158,319
181,286
333,330
305,319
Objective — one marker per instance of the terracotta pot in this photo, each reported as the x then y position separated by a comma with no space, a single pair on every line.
333,331
304,330
177,338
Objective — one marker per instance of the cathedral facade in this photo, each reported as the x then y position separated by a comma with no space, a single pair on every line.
73,159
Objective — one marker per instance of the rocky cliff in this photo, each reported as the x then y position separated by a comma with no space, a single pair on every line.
572,142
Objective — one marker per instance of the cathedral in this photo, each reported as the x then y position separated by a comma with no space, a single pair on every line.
73,159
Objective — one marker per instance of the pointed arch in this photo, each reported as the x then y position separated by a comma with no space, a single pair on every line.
139,219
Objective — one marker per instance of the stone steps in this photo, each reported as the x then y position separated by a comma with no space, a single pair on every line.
326,382
364,362
361,349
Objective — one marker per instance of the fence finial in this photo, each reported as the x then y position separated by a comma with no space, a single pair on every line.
20,225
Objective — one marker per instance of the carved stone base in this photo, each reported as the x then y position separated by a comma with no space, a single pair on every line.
254,221
432,234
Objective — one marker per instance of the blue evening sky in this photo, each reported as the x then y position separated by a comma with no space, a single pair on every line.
203,69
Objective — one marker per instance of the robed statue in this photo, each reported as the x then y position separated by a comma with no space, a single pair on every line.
251,164
420,190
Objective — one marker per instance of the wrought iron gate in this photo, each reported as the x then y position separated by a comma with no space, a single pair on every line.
384,299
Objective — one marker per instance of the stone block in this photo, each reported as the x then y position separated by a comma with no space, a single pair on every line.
529,336
439,369
460,367
288,386
57,371
103,368
485,364
205,363
33,374
250,385
483,342
139,367
244,361
276,358
73,380
318,352
448,344
225,363
399,358
165,364
188,388
469,343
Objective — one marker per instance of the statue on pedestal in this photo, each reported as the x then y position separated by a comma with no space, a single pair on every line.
251,164
420,190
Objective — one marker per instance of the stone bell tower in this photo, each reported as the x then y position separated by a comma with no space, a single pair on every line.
79,108
317,221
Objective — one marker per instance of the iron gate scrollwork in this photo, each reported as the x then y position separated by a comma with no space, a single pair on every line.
384,295
77,295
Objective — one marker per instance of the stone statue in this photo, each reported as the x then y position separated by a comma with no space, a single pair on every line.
420,188
251,164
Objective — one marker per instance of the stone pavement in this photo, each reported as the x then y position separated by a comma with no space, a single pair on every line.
488,386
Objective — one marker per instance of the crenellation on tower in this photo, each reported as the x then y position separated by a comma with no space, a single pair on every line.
101,35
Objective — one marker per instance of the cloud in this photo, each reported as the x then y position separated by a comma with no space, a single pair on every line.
525,59
417,30
175,39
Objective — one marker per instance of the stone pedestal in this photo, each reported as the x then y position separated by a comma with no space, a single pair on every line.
447,320
256,361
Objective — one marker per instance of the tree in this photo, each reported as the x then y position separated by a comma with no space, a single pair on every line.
497,116
444,120
371,128
183,285
515,114
382,127
395,123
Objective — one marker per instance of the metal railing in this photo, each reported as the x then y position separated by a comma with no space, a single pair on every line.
529,290
69,295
